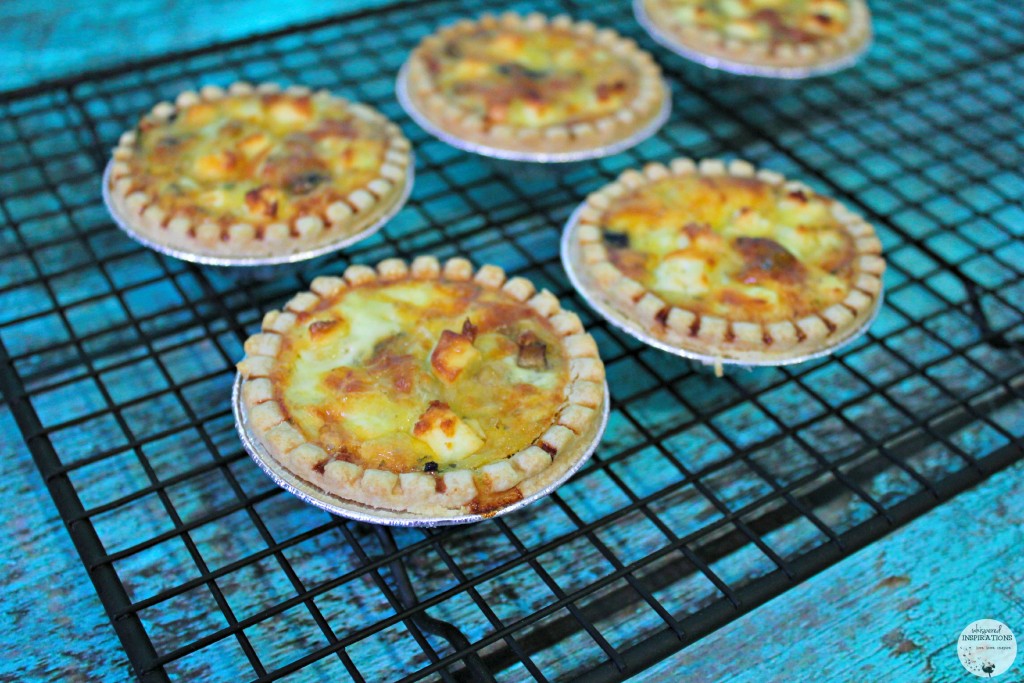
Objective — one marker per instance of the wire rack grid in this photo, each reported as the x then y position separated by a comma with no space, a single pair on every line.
707,496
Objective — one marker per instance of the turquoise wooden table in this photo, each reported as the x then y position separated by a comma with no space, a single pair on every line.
842,520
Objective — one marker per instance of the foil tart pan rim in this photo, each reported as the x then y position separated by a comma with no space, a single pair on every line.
254,261
649,129
737,68
358,512
623,323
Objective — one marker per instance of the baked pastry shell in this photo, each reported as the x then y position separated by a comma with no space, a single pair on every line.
567,463
722,63
122,222
599,301
596,152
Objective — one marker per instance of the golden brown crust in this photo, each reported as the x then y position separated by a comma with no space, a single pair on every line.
510,85
301,197
761,338
454,492
792,53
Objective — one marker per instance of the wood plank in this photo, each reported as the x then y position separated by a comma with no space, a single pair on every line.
53,623
891,612
43,42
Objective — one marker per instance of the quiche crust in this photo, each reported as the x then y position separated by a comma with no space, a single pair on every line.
737,292
438,489
499,81
257,171
754,36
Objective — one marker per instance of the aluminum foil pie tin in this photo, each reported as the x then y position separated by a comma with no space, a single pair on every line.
254,261
735,68
523,158
313,495
701,361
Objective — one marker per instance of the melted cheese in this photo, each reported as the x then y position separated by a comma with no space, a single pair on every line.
736,248
363,326
451,438
681,273
257,159
360,377
766,21
531,78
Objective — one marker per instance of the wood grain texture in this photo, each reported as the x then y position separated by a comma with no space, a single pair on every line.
53,627
891,612
888,613
46,41
882,614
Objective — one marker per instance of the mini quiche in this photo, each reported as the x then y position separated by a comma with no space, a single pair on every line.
257,172
425,388
527,84
766,37
724,262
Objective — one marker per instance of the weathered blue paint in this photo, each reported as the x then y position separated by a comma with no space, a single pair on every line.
53,625
46,40
891,612
883,612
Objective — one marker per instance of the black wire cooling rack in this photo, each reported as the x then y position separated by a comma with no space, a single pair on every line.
707,496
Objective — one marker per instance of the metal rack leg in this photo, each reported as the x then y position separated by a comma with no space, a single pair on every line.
407,594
